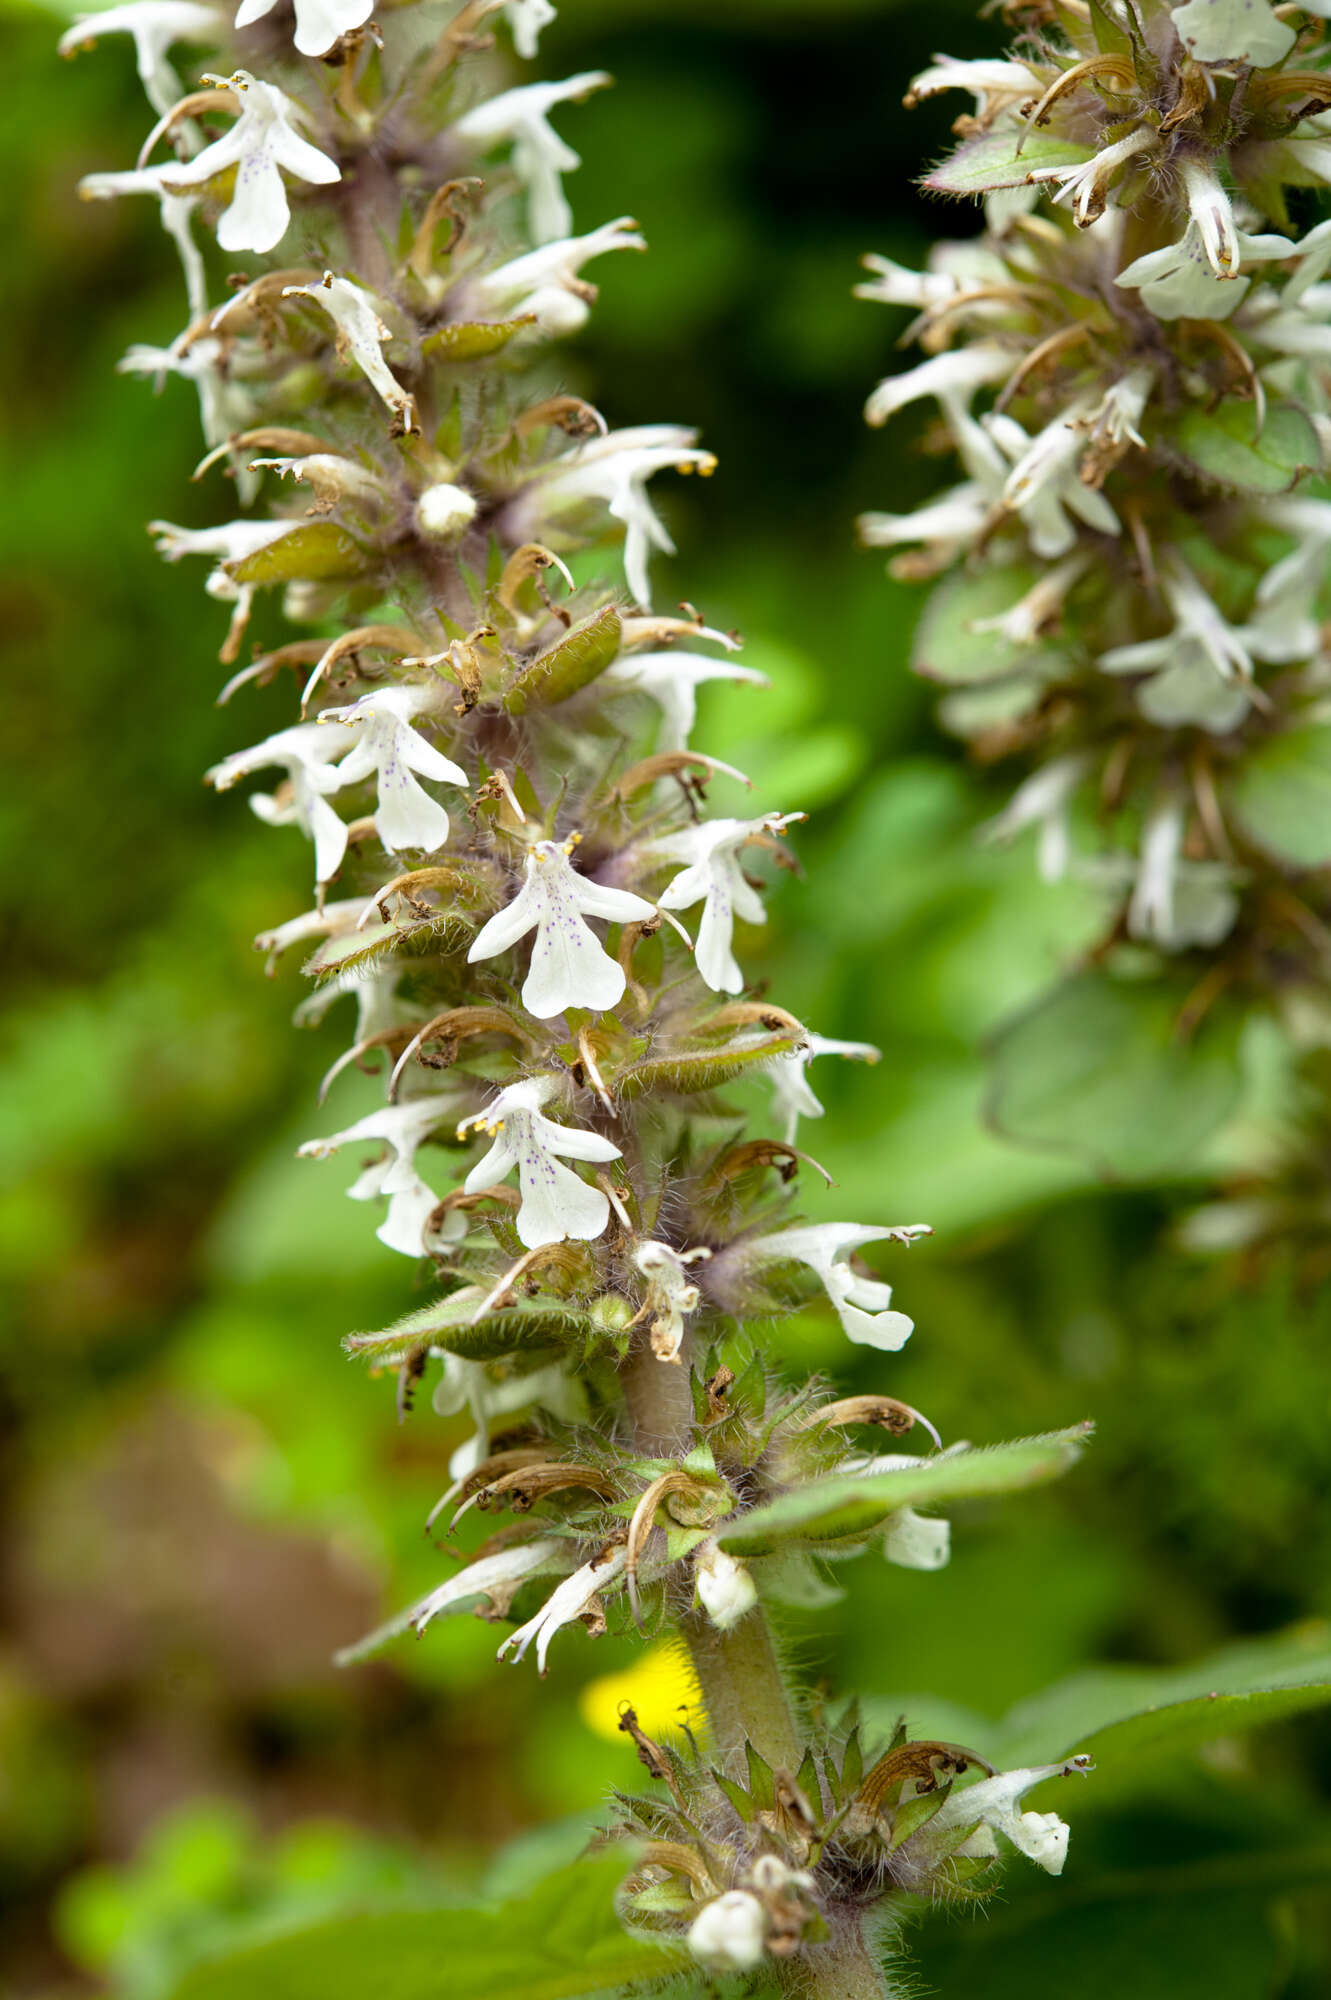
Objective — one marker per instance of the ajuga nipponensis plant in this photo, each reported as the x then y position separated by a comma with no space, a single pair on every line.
1132,365
525,904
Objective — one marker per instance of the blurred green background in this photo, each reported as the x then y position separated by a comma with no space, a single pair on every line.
203,1498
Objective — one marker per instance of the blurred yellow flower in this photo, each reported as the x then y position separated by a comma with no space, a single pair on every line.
660,1687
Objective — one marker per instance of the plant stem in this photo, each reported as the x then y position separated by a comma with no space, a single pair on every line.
743,1692
842,1970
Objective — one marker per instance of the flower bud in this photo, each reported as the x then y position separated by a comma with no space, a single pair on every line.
724,1585
729,1934
444,512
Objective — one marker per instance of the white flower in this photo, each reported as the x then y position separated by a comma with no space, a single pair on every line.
791,1090
896,285
1233,31
261,143
725,1588
545,281
539,155
1116,418
1085,188
361,333
567,1603
946,526
1041,1836
953,377
1042,800
1213,213
1181,282
402,1128
307,754
492,1397
1200,664
319,23
671,1293
713,876
729,1934
861,1303
569,966
496,1575
555,1203
672,678
526,18
388,749
155,25
1177,904
1284,625
1045,483
615,468
333,920
992,83
910,1540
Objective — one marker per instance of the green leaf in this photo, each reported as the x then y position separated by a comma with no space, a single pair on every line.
319,549
1225,446
948,648
562,1939
687,1071
572,663
994,162
1283,795
448,1323
1128,1717
838,1509
1099,1068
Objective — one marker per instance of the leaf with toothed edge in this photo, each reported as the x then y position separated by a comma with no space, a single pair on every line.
847,1508
994,162
527,1324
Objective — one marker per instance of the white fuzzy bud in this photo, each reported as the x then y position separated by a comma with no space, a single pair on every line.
729,1934
724,1585
444,512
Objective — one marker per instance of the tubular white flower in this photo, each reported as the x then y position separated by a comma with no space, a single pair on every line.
1233,31
947,526
261,145
492,1399
1116,418
1085,188
992,82
791,1092
539,155
388,749
567,1603
1042,800
729,1934
1199,622
1045,484
496,1575
545,281
1043,1837
402,1128
156,26
319,23
672,679
362,334
615,469
445,511
526,18
713,877
307,754
895,285
555,1203
953,377
725,1588
1213,214
862,1304
671,1293
569,965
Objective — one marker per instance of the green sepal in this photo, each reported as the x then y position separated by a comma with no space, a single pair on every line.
994,162
914,1813
737,1795
529,1323
691,1071
762,1787
1225,446
845,1508
317,550
852,1761
571,664
378,940
807,1780
473,340
1110,38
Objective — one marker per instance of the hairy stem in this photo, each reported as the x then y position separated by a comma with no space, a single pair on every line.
844,1969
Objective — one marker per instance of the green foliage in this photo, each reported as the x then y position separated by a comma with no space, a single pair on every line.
1247,451
1283,795
562,1939
1106,1068
1000,161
